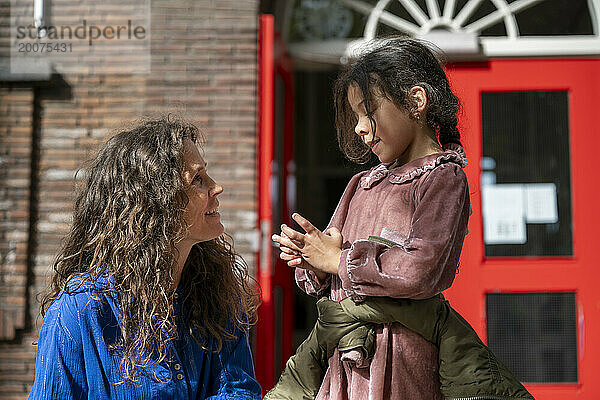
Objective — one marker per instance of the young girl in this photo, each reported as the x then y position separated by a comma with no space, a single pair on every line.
397,232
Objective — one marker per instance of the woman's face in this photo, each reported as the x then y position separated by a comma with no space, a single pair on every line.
395,131
202,211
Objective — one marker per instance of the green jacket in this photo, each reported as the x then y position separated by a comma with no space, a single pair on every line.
467,368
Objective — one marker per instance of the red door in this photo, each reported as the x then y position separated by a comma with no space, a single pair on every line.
528,278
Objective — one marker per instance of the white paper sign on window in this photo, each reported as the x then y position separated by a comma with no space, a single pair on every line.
541,203
504,214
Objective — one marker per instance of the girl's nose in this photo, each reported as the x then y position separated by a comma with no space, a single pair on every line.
361,128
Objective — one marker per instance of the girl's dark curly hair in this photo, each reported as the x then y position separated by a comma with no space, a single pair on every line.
390,69
127,219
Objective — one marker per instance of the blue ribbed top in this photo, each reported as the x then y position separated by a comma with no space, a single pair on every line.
73,361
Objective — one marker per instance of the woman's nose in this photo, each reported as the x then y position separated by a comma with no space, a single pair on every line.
216,190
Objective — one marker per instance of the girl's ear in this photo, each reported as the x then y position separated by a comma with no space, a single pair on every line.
418,96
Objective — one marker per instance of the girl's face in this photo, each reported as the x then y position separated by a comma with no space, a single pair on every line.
396,132
202,211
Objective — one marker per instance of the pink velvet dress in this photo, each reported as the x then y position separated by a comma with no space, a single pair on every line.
423,206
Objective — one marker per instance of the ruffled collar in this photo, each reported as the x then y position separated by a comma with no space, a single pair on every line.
453,152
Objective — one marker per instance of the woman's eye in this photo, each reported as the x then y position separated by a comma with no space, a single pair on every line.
197,179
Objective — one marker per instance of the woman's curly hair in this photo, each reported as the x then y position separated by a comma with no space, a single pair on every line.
128,216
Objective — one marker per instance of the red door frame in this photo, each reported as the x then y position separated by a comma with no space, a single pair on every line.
265,329
478,275
274,331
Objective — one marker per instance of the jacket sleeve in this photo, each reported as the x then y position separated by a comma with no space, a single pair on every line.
59,369
233,372
420,265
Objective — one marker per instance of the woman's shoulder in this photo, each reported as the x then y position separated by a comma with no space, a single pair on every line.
63,316
81,299
357,176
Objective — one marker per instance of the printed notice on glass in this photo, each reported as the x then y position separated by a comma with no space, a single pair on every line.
504,214
541,203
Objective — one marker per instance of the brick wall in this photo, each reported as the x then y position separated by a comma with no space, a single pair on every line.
203,66
15,146
15,150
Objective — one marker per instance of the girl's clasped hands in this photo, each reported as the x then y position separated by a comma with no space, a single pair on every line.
314,250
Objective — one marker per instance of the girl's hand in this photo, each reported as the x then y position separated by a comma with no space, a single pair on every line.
292,257
321,251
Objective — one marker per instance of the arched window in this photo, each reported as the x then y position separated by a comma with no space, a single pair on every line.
319,29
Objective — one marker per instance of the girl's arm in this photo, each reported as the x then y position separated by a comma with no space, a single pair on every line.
424,263
310,283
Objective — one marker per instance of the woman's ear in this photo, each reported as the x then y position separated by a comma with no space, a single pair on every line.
418,96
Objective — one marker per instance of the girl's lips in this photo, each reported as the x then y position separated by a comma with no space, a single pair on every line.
373,144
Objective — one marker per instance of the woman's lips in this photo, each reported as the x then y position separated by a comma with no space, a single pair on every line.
214,212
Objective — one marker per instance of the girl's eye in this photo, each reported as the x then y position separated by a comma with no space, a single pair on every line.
371,112
197,179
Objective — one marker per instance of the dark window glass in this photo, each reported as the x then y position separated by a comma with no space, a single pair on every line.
556,17
534,334
485,8
546,18
526,146
322,172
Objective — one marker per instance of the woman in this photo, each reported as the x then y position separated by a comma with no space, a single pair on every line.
148,298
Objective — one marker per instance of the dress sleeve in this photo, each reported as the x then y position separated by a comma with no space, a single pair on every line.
233,372
306,279
417,266
310,284
59,368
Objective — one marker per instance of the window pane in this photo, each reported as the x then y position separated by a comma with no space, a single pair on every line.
556,17
525,182
534,334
